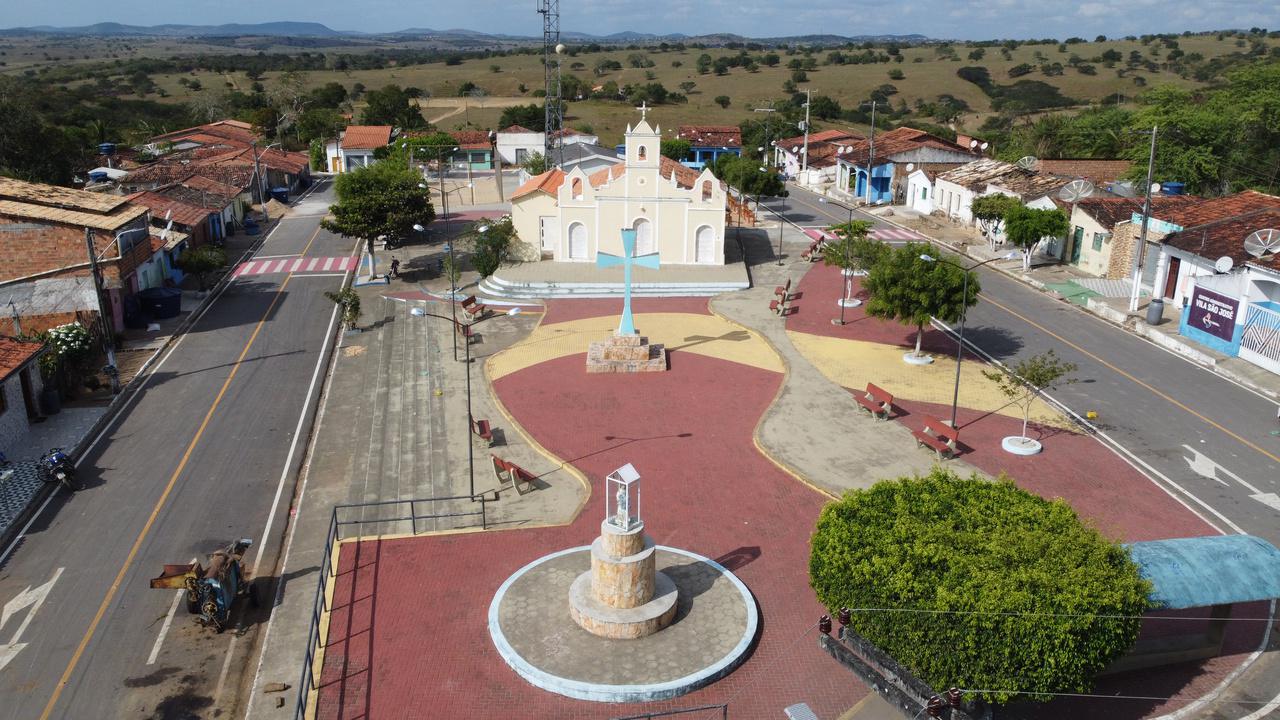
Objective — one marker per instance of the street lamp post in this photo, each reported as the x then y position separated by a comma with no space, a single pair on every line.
847,271
448,246
466,333
964,311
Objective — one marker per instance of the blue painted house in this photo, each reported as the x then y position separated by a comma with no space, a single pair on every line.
889,157
709,142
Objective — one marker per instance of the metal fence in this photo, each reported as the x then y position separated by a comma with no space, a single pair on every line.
388,517
1261,335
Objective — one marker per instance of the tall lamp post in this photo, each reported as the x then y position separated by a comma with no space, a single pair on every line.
964,311
448,243
466,333
846,272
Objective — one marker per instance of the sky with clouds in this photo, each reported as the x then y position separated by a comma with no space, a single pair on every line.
963,19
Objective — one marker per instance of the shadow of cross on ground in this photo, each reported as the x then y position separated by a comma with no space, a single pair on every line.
732,336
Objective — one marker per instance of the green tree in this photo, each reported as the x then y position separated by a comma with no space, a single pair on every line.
676,148
854,250
1025,227
911,290
535,163
723,101
491,245
530,116
1026,379
319,123
391,106
348,302
990,210
982,584
201,262
381,200
687,86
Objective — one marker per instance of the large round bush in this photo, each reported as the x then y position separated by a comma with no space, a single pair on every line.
1006,591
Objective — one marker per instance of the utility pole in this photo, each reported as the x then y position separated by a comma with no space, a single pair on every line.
453,267
871,150
108,342
804,154
497,164
1146,219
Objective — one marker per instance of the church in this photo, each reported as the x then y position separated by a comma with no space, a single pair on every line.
676,211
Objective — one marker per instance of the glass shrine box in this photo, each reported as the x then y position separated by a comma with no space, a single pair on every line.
622,499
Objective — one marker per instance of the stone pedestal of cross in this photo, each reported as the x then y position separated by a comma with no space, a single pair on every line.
626,351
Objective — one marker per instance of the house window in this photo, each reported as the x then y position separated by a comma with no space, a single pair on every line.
521,155
477,157
924,193
577,189
4,403
1098,237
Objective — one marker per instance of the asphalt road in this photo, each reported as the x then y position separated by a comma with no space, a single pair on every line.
1202,437
197,459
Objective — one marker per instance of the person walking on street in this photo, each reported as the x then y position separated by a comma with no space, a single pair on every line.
395,268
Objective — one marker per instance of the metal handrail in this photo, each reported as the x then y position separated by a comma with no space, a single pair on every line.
308,683
723,708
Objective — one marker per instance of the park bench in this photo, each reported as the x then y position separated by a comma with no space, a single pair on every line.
783,291
473,309
508,472
876,401
814,253
942,438
778,307
481,429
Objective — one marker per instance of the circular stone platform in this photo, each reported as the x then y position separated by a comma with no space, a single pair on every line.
715,624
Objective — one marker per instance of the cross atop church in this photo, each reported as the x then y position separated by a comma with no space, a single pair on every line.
628,259
644,108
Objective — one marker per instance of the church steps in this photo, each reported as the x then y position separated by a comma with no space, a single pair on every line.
495,286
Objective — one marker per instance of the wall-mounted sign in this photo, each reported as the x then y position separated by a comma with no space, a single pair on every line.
1213,313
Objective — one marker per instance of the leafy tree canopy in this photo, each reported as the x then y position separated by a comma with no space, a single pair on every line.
1016,593
530,116
381,199
392,106
676,148
907,288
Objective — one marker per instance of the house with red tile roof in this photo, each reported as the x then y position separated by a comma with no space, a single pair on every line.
20,387
789,154
222,134
709,142
355,145
1100,241
677,212
516,143
885,159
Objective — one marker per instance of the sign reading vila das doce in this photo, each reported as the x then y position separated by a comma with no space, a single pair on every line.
1213,313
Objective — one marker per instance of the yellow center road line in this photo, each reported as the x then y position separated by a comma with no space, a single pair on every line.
1159,393
313,239
155,511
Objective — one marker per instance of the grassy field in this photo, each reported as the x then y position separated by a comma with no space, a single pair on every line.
926,77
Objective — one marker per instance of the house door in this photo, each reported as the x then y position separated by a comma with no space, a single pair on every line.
644,236
577,242
1171,278
704,245
1077,239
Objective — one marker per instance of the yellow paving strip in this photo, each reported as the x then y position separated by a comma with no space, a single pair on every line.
854,363
155,511
707,335
1158,393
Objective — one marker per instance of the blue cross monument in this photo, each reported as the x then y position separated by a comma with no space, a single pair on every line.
628,259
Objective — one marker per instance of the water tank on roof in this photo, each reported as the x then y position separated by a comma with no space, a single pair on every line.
97,176
106,148
1173,188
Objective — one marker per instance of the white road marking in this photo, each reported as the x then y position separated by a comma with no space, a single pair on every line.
296,264
328,263
312,265
274,257
164,627
1271,500
222,676
1205,466
32,598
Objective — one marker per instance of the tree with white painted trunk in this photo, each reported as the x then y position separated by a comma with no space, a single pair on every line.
1027,379
913,291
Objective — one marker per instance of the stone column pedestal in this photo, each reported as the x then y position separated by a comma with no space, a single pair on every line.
626,354
622,596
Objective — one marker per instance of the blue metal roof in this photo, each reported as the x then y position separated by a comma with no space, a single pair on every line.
1203,571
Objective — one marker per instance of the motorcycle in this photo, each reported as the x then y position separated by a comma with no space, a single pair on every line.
56,466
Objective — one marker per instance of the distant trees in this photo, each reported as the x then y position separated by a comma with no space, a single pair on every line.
530,116
676,148
391,106
722,101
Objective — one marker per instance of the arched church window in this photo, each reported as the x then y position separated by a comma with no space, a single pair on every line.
706,190
577,188
642,152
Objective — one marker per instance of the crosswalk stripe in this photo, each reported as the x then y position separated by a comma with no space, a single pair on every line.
296,264
279,266
345,264
328,263
312,265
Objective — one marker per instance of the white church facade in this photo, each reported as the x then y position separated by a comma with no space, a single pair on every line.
676,212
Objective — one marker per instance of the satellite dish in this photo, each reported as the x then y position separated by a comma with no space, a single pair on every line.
983,146
1075,191
1028,162
1155,188
1224,264
1262,242
973,144
911,167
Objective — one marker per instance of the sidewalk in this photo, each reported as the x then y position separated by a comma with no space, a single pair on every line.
1059,280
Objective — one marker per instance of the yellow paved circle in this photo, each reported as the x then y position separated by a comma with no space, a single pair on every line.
708,335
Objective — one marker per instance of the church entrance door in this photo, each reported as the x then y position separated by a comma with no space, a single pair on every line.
704,245
577,242
644,237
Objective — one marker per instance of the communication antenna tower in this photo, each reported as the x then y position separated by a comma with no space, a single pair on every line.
552,50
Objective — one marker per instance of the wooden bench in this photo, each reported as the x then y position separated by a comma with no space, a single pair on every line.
783,291
938,435
508,472
778,307
481,429
814,253
473,309
876,401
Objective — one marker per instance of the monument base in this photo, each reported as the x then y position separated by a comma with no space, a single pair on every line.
626,354
614,623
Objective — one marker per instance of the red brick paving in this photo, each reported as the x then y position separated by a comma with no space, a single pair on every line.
428,597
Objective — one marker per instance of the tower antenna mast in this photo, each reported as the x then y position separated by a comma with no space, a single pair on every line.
552,50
